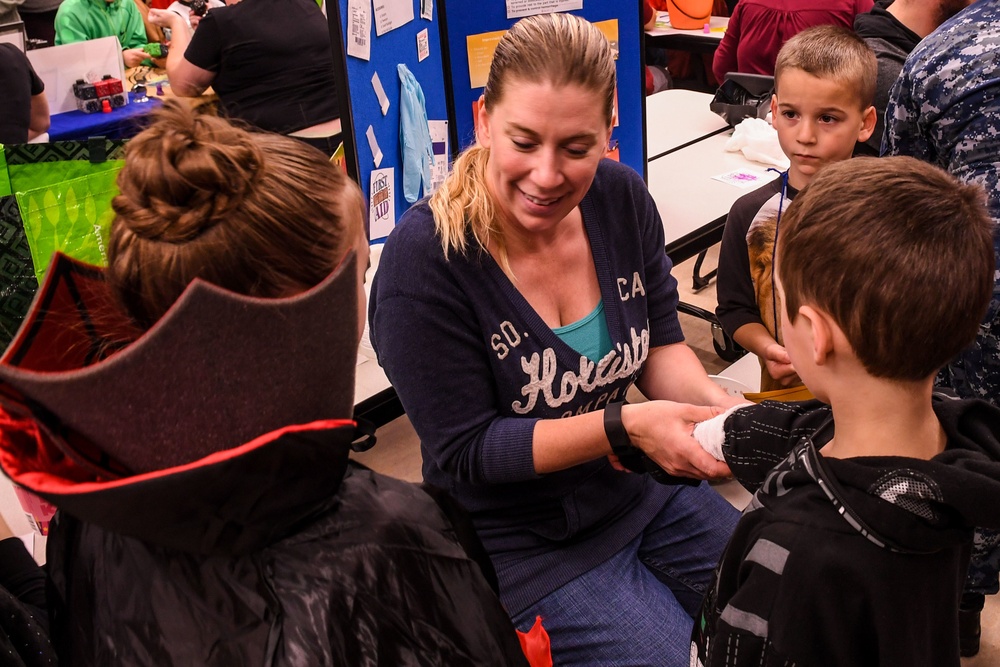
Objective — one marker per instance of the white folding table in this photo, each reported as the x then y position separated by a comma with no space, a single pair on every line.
676,118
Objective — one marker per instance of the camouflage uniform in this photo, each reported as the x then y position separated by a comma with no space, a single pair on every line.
945,109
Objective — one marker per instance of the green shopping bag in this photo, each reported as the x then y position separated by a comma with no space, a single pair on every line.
63,192
52,197
5,190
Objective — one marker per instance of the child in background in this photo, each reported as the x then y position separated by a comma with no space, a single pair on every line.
854,548
822,106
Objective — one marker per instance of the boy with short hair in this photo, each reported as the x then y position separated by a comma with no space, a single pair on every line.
854,547
822,106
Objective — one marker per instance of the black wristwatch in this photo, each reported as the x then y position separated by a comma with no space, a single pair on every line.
621,444
631,456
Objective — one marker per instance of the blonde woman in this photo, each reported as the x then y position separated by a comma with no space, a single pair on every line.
512,311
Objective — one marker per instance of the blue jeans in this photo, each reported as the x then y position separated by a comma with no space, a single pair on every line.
637,608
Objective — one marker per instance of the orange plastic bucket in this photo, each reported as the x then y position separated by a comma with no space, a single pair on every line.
689,14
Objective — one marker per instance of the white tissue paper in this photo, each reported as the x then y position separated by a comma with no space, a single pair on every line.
758,141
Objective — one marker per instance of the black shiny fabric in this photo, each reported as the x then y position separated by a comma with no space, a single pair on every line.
368,573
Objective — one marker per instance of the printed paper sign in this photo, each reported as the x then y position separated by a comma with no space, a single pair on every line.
423,45
610,30
382,203
518,8
373,144
439,144
359,19
391,14
481,48
383,101
427,9
743,178
60,66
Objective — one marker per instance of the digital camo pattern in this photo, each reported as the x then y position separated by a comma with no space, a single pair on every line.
945,109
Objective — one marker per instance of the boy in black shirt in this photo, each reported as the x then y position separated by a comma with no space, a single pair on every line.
824,82
855,545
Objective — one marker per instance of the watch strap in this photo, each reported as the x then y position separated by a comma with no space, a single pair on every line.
621,444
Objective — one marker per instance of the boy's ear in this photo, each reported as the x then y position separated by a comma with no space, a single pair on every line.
821,333
774,106
868,120
482,124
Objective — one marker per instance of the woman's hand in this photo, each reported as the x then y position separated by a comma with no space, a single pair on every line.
779,365
133,57
662,429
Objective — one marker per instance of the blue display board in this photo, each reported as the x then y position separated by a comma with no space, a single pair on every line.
387,51
463,19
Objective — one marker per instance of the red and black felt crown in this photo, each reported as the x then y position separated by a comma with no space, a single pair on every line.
216,371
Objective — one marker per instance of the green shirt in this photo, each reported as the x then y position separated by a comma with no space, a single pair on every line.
80,20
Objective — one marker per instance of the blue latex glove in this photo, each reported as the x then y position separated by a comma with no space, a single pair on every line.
414,137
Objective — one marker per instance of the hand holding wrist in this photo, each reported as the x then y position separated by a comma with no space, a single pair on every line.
663,431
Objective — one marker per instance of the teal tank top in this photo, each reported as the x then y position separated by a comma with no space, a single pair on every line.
589,336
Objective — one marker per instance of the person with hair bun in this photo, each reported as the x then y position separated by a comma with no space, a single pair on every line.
512,312
189,413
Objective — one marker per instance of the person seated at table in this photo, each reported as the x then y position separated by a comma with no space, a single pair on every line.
209,515
24,112
854,548
758,28
81,20
269,61
893,28
822,106
512,312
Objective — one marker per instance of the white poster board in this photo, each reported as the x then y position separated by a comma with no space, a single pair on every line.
60,66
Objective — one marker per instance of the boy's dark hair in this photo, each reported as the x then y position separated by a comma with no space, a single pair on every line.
831,52
899,253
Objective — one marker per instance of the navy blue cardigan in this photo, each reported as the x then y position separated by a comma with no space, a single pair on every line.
475,367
